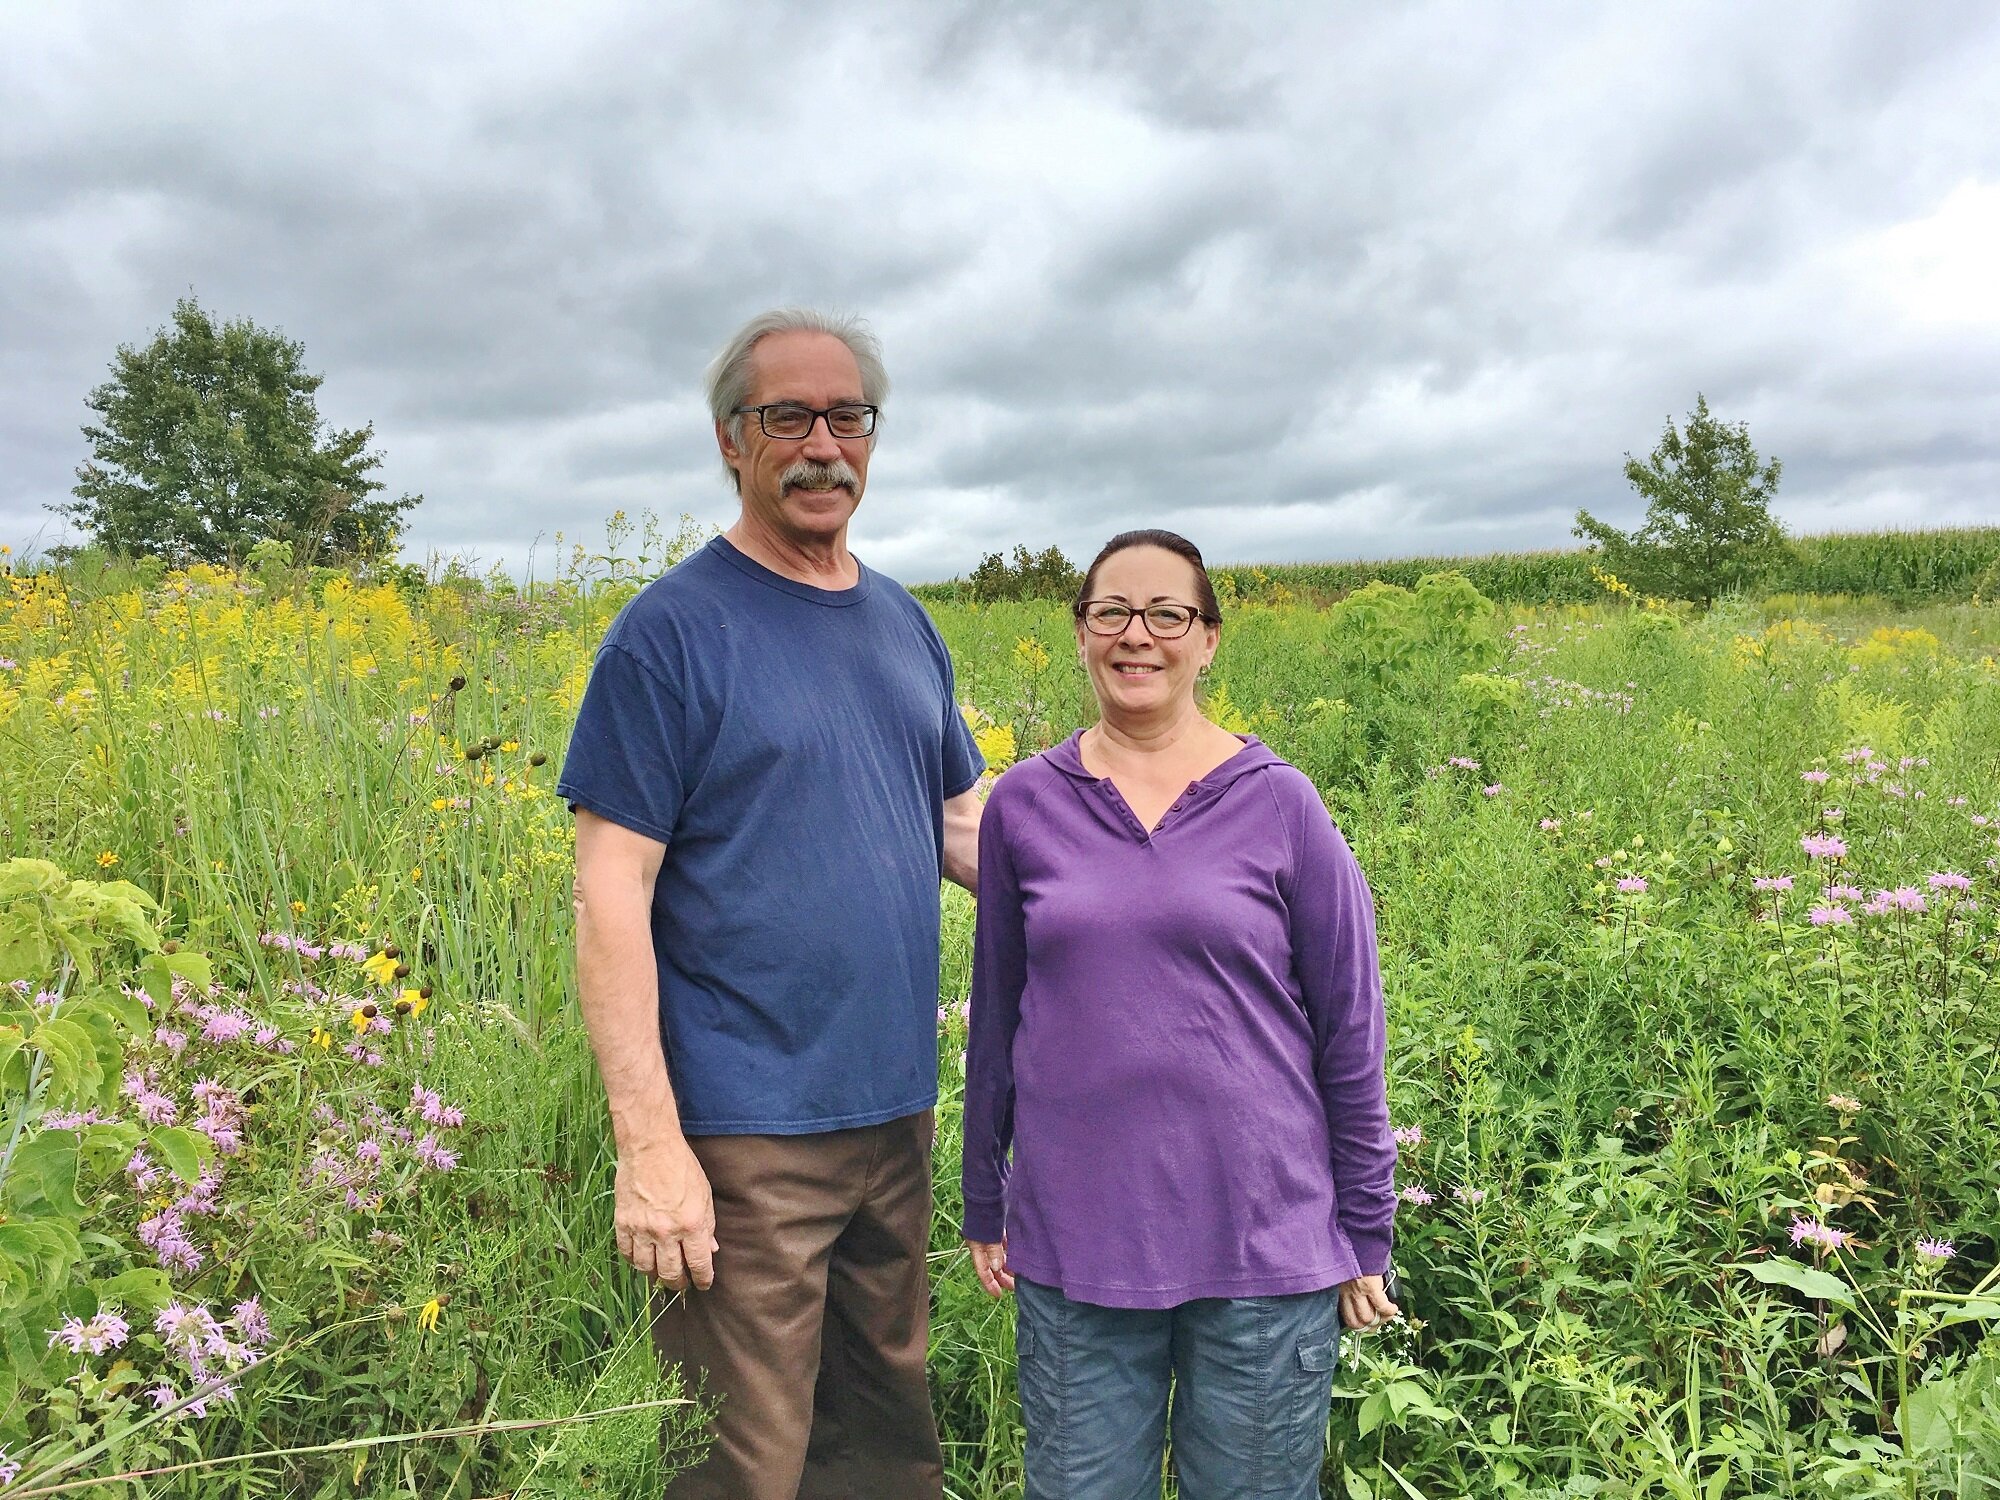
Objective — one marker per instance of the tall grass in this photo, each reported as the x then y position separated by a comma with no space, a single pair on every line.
1624,1094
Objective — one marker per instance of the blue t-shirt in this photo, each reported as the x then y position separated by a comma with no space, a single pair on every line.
792,747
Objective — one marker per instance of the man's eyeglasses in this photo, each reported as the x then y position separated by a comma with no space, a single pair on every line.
1165,622
788,419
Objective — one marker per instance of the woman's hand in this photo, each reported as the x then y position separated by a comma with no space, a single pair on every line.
990,1261
1364,1303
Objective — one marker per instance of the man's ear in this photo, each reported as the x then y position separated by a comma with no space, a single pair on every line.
731,454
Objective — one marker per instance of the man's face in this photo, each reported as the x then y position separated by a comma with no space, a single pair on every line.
802,488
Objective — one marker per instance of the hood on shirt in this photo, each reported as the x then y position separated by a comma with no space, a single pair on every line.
1254,756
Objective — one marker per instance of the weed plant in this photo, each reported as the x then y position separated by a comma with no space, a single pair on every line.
1689,938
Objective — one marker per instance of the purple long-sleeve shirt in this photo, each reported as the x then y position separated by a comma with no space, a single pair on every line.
1181,1037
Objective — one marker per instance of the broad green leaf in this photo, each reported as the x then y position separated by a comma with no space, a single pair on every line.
1980,1311
44,1172
143,1289
191,966
1375,1410
1926,1417
1813,1283
75,1070
182,1150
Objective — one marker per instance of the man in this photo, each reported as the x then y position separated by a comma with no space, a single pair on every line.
770,773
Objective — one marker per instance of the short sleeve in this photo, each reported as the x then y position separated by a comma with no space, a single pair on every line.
962,760
627,751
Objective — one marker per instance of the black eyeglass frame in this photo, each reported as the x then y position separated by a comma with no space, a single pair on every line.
818,414
1195,612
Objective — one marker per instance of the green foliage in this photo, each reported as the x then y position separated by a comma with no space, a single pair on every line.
1708,528
209,440
61,1047
1031,575
1638,1082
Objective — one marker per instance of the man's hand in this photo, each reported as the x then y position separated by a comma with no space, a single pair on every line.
990,1261
666,1216
1364,1302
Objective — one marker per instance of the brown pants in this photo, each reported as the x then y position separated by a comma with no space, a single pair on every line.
814,1332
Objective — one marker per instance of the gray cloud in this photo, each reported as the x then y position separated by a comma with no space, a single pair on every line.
1359,284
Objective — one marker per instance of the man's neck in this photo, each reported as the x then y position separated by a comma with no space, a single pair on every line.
822,563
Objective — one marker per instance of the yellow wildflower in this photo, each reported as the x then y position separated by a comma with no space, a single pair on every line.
416,872
322,1038
298,908
427,1315
106,860
996,743
359,1020
381,968
510,744
415,1000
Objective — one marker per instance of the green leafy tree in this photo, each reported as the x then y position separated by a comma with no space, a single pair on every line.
209,440
1709,528
1032,575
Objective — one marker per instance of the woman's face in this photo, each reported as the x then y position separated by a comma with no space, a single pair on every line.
1133,674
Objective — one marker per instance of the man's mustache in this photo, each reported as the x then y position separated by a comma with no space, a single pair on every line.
810,474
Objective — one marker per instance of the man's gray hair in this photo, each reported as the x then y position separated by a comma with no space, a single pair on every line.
729,372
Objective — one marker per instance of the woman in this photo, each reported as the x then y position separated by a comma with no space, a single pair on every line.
1177,1026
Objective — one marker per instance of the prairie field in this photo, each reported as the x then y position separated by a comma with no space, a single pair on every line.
1690,928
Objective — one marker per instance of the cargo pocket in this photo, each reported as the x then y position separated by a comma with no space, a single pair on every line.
1312,1377
1038,1380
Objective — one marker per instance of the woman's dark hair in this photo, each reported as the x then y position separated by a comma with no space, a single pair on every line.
1170,541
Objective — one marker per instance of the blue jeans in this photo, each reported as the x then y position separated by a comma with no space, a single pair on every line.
1252,1378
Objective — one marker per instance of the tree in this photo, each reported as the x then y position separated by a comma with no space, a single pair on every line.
1708,525
1032,575
210,441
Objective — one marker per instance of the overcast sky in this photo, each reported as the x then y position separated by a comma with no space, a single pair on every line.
1297,281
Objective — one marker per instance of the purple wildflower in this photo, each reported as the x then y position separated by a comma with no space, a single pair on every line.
1817,778
1416,1193
165,1234
1771,883
1408,1135
251,1322
1492,791
1550,825
1466,1194
1830,916
1824,846
1945,880
1840,892
70,1119
1907,898
1633,885
224,1026
1812,1231
434,1156
1937,1250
